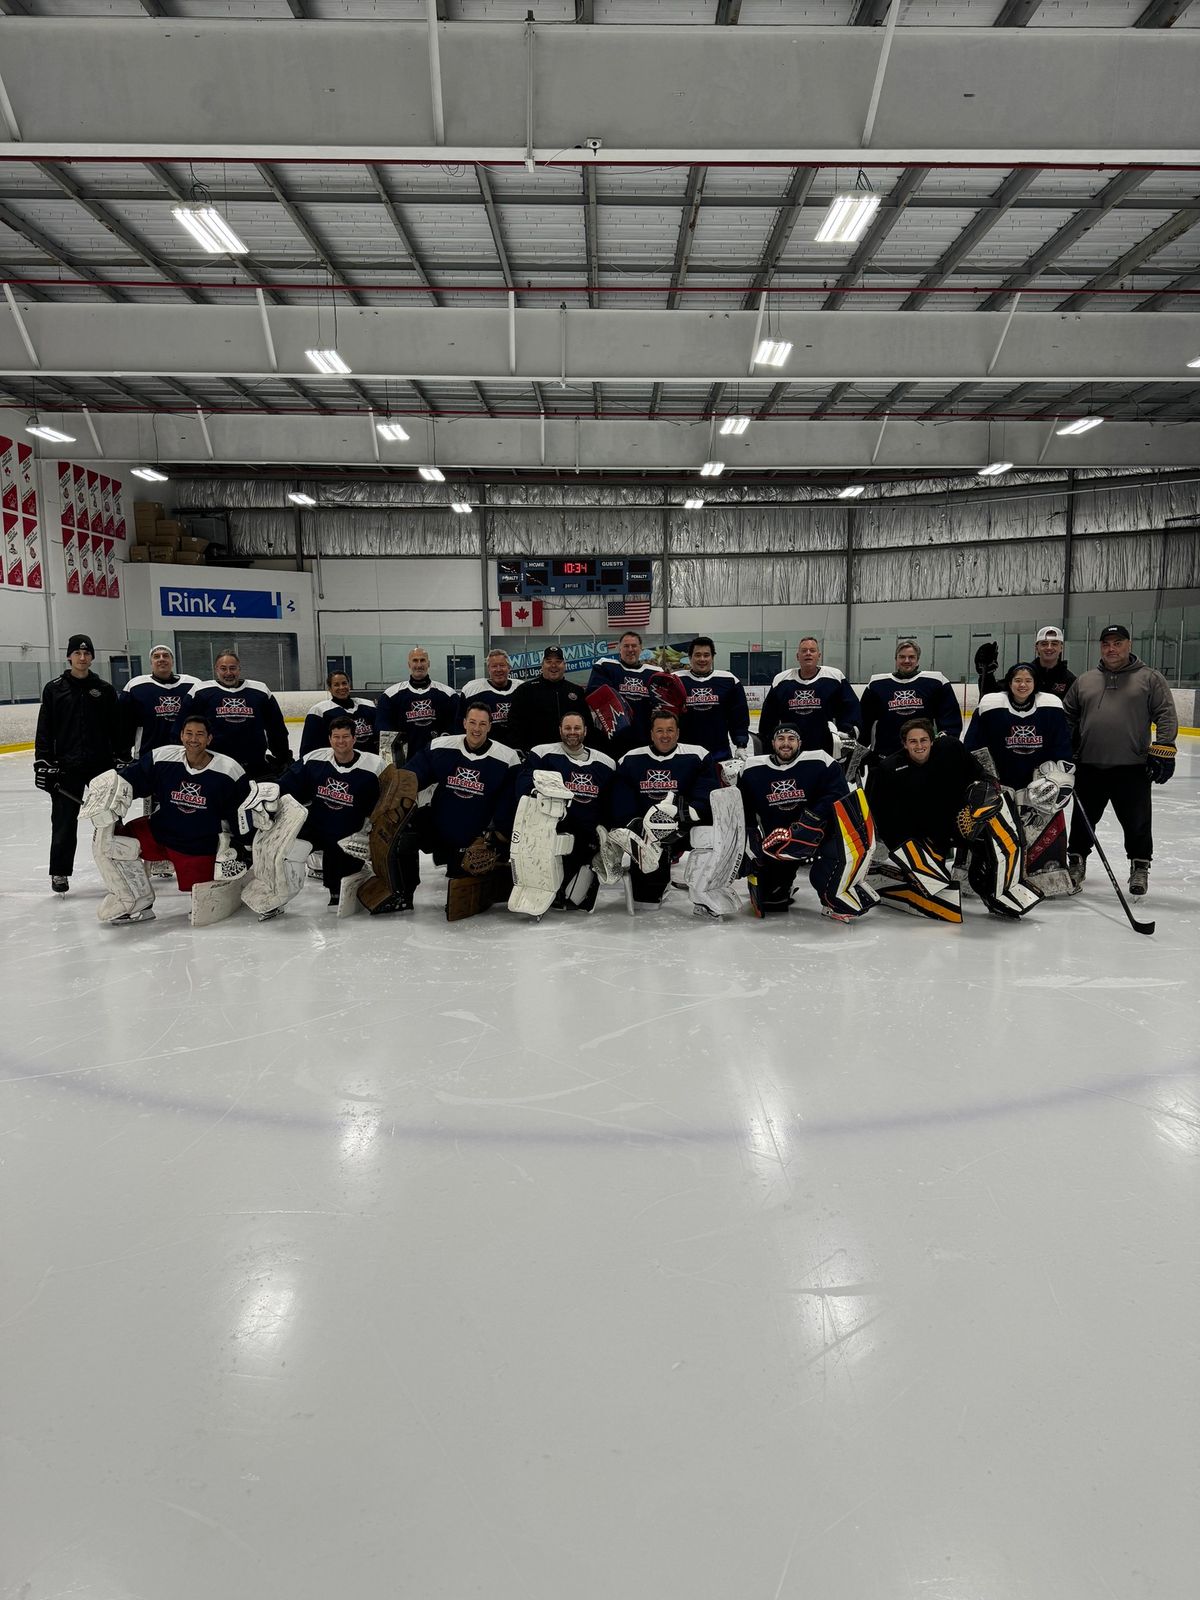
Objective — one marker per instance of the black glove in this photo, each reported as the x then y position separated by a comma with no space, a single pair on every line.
1160,763
987,657
275,766
46,775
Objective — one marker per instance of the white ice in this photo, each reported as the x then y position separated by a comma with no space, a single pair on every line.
599,1259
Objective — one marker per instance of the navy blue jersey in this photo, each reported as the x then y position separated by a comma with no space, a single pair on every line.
714,711
417,713
889,701
339,797
192,804
775,792
589,774
644,778
315,733
633,686
474,789
152,709
1019,741
246,723
479,692
812,704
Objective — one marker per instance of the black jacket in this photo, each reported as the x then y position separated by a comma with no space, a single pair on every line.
537,708
920,802
80,724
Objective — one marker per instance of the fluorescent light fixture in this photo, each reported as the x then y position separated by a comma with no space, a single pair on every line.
693,503
852,491
463,507
1081,425
1195,363
392,431
712,469
846,220
327,361
735,424
994,469
772,353
53,434
432,474
210,230
301,499
150,475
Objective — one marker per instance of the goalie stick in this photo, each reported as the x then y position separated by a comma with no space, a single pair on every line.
1138,927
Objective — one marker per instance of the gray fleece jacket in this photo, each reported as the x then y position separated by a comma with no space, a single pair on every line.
1111,713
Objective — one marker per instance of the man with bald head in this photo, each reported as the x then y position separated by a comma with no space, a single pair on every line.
415,711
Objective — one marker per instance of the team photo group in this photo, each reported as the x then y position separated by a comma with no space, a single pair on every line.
539,792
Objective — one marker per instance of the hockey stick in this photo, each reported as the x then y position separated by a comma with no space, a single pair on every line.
1138,927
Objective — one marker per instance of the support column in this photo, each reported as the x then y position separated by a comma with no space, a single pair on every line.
485,532
851,530
666,566
1068,551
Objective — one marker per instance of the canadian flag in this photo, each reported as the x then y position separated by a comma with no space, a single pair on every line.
520,613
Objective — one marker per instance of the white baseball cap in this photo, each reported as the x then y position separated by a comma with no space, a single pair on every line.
1049,633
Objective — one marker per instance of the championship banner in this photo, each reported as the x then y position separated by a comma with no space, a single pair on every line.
9,497
14,567
110,561
33,553
71,559
83,518
120,527
26,482
88,576
66,499
99,566
93,494
106,507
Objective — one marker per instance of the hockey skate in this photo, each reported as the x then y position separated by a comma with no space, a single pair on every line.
1077,867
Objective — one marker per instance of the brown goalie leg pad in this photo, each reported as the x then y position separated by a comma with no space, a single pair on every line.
468,896
375,896
397,797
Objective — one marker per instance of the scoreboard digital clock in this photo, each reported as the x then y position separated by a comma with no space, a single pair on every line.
537,577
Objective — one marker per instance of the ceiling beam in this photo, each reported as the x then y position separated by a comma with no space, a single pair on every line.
799,186
1162,13
1156,302
136,88
886,219
1182,222
1016,13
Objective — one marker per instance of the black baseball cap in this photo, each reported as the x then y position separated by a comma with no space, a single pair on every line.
80,641
553,653
1115,630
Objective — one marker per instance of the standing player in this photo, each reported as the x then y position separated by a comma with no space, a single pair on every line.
245,718
662,789
342,702
339,787
1112,711
894,698
80,733
540,703
542,866
627,677
715,714
413,712
1051,675
1025,737
495,691
817,700
800,810
152,702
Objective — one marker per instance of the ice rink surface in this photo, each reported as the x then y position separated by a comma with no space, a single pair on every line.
603,1258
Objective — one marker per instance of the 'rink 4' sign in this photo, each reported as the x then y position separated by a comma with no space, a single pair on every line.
224,604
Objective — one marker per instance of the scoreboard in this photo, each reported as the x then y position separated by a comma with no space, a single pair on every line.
522,579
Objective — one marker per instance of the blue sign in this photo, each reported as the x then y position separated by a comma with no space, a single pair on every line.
528,663
223,605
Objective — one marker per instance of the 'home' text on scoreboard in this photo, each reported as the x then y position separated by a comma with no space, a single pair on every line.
574,575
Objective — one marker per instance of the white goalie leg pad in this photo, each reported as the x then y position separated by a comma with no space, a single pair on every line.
106,799
612,847
315,865
278,860
348,901
214,901
537,849
716,855
130,897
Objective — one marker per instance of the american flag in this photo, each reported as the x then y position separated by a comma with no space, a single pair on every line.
629,613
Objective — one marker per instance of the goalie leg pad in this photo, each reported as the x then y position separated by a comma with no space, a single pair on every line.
839,873
918,879
997,865
468,896
130,897
1046,856
537,851
770,885
394,857
612,846
316,865
348,898
217,899
716,855
279,857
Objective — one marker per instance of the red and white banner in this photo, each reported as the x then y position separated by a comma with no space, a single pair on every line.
86,571
14,565
106,506
71,559
26,481
110,561
93,494
66,499
100,566
33,553
119,523
83,516
520,613
10,495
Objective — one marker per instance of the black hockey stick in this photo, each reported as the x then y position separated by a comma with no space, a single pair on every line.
1138,927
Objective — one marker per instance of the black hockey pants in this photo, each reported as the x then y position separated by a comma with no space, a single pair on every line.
1128,788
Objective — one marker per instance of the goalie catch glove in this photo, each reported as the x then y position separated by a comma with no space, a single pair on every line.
661,821
984,799
799,841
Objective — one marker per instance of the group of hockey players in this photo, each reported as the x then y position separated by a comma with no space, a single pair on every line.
541,791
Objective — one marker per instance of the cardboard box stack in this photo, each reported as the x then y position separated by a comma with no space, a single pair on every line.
161,538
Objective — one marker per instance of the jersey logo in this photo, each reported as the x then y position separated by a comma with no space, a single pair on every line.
168,707
1022,736
633,689
697,698
499,713
784,791
905,700
189,797
804,700
362,728
335,792
465,780
582,784
235,709
659,780
419,711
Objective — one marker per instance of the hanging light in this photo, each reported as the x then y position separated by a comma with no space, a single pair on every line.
299,499
327,361
432,474
994,469
847,218
693,503
463,507
149,473
210,230
712,469
735,425
1080,425
852,491
391,431
55,435
772,353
